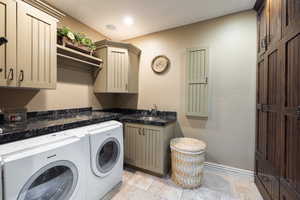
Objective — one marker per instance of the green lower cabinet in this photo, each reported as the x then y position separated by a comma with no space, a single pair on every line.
148,147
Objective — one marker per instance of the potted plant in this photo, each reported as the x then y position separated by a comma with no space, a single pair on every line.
76,41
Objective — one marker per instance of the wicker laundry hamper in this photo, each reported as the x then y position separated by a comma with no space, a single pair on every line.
188,156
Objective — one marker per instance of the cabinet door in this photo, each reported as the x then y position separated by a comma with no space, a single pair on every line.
153,152
8,50
290,16
274,22
262,31
143,147
117,70
131,144
36,52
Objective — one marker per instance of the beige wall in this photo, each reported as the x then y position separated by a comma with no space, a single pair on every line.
77,26
74,87
230,128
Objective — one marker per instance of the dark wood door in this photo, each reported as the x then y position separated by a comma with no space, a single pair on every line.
269,123
290,173
287,194
262,30
278,100
262,86
290,16
274,21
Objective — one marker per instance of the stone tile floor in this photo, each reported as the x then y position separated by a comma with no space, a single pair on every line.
216,186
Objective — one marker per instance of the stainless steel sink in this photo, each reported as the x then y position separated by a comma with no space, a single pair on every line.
150,118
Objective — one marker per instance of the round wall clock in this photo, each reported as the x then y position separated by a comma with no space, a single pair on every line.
160,64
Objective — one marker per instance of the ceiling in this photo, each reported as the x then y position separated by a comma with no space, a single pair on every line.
148,15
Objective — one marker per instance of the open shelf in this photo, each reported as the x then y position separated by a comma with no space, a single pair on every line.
72,58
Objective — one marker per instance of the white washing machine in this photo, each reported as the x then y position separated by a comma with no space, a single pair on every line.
107,157
1,178
49,167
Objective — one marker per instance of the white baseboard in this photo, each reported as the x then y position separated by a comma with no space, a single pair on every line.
224,169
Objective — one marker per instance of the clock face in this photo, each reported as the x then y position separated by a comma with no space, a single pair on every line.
160,64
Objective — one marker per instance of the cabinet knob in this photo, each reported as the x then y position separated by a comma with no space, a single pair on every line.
1,70
11,74
3,40
21,78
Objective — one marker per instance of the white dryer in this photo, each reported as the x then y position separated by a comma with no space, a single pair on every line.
49,167
107,157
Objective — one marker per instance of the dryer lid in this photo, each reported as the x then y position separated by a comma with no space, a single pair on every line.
104,126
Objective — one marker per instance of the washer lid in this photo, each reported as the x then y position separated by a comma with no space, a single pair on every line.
188,145
32,143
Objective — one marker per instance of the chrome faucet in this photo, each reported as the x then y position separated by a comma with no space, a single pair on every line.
154,110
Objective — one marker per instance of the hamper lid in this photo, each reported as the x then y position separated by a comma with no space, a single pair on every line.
188,145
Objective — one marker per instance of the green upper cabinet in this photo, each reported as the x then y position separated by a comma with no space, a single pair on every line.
28,60
7,51
197,82
36,54
120,69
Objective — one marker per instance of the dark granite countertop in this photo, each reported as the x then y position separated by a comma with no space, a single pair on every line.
137,118
46,122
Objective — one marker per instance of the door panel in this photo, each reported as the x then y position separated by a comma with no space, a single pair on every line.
117,70
290,15
265,174
268,123
293,70
273,122
36,48
274,100
130,144
286,193
7,51
261,137
197,82
262,31
140,149
274,21
152,150
291,164
292,173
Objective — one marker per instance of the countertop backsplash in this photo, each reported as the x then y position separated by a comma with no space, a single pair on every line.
45,122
